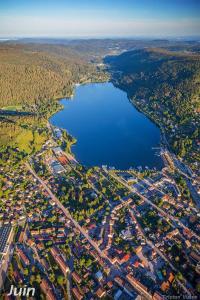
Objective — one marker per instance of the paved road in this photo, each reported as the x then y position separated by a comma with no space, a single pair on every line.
176,220
186,173
158,251
141,230
68,215
69,286
115,270
172,218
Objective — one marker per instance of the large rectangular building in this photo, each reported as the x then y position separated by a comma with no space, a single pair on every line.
5,232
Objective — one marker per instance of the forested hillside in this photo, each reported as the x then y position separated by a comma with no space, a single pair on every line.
31,78
166,86
29,73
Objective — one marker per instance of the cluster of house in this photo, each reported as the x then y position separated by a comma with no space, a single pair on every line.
123,229
134,260
12,196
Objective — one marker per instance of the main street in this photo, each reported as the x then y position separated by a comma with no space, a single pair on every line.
187,174
167,215
115,270
158,251
142,232
67,214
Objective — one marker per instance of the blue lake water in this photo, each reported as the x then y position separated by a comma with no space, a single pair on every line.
108,128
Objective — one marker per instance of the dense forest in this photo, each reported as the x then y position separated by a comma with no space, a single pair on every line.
32,77
29,73
162,81
166,86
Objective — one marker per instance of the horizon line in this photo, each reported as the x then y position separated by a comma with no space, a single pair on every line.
15,37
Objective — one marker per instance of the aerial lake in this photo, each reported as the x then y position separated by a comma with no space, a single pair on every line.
108,128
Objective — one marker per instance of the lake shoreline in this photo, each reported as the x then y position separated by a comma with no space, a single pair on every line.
94,85
139,109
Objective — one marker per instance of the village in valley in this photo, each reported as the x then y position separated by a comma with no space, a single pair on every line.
73,232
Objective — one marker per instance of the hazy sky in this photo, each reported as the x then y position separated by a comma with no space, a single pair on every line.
90,18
